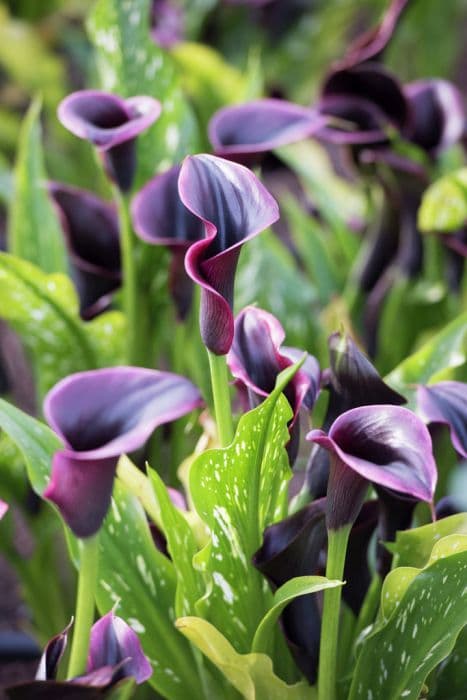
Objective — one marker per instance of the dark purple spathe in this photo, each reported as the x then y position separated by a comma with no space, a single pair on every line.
100,415
446,403
113,643
112,124
233,206
242,131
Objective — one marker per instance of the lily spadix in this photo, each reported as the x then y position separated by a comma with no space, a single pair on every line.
446,403
111,124
233,207
160,218
99,415
91,231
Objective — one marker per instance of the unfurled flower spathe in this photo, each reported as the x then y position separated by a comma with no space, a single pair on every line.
233,206
388,446
112,124
446,403
99,415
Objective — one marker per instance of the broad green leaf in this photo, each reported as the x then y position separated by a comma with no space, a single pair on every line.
450,680
237,492
422,616
134,574
251,674
445,350
43,309
444,204
298,586
35,440
131,64
123,690
182,548
34,231
413,547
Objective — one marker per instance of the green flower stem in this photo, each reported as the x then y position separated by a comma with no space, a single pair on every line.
130,279
327,671
221,396
84,616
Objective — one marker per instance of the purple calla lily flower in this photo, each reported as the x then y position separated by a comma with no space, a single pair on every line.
233,206
112,124
446,403
256,358
438,114
113,643
3,508
100,415
51,657
90,227
160,218
241,132
386,445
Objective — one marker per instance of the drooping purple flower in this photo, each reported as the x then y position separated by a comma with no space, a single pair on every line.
90,227
167,23
388,446
100,415
257,357
160,218
438,114
112,124
242,132
114,643
292,547
446,403
233,206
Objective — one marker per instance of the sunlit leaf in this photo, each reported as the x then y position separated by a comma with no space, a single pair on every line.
444,204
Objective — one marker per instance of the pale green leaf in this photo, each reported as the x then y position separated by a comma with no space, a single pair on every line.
444,204
413,547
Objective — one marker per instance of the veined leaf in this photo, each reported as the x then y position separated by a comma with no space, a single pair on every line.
251,674
421,617
131,64
237,492
34,230
413,547
446,350
43,309
300,585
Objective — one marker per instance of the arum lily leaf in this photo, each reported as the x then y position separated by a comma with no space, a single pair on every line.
34,232
131,64
301,585
134,574
34,439
444,204
421,629
450,680
43,309
238,491
251,674
446,350
413,547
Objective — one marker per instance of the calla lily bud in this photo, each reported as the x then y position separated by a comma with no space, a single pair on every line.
244,132
292,548
53,652
113,643
90,226
99,415
233,206
112,124
446,403
388,446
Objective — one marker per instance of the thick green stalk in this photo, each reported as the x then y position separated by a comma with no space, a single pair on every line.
84,615
221,396
327,671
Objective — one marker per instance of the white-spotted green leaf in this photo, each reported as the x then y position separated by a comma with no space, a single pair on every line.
444,204
132,64
298,586
251,674
237,491
35,440
43,309
450,680
420,622
134,574
413,547
34,231
443,352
